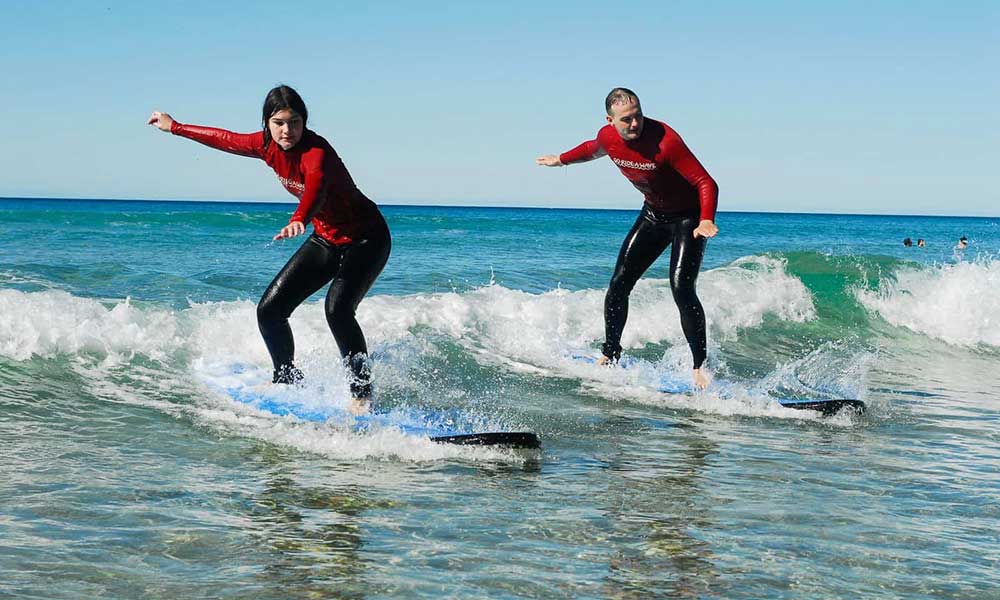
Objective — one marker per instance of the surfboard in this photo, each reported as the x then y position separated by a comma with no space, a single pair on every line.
671,384
826,407
508,439
442,427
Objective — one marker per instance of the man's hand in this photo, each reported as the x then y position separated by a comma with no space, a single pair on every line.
549,160
706,229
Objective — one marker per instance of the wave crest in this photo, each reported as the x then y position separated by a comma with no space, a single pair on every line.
55,322
499,320
957,303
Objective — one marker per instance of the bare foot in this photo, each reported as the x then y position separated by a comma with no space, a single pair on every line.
359,406
603,361
701,379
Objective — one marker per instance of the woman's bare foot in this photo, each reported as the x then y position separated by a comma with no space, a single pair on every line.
359,406
701,379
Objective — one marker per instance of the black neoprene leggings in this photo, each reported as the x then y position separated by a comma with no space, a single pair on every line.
353,269
648,238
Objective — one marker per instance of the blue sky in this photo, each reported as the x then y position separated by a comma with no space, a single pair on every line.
853,107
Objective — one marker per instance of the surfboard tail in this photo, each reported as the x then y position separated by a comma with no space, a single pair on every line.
506,439
826,407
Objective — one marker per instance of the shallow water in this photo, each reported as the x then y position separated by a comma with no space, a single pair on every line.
124,475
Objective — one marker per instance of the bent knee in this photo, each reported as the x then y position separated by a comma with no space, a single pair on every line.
621,285
683,285
340,311
270,311
686,298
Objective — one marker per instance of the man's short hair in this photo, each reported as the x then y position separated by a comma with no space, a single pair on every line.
619,95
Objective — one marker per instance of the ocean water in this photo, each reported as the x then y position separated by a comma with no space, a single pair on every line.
124,474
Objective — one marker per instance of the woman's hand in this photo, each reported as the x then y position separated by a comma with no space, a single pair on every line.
291,230
161,120
706,229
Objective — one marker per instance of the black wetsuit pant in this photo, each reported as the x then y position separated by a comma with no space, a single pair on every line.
649,237
353,269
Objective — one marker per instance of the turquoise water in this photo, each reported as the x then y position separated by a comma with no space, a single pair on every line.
125,473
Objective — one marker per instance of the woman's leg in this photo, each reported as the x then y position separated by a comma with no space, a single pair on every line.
361,265
643,244
307,271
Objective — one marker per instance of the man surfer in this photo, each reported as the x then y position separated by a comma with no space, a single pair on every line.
679,211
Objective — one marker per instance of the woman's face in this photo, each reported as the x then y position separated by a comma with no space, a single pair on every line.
286,128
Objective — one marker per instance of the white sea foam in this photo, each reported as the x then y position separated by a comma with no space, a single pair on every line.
512,323
830,371
529,327
531,333
217,410
957,303
54,322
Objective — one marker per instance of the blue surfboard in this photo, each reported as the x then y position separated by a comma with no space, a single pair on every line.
441,427
671,384
824,406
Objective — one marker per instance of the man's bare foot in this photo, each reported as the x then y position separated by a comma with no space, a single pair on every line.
359,406
701,379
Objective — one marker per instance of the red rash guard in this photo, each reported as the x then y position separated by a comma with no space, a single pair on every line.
311,171
659,165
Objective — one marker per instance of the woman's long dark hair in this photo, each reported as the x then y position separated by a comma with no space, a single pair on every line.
278,99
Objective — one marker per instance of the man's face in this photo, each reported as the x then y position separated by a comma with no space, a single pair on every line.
626,117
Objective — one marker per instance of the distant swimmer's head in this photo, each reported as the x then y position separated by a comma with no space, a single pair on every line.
624,113
907,242
921,243
963,242
284,117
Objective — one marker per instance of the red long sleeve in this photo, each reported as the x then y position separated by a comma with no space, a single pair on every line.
659,165
582,153
311,171
244,144
684,162
315,186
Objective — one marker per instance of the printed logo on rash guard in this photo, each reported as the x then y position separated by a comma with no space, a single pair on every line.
631,164
298,188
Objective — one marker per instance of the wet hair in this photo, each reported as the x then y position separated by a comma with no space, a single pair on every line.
963,239
907,242
619,95
278,99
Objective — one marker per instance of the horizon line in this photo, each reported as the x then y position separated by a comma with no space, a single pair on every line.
493,207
